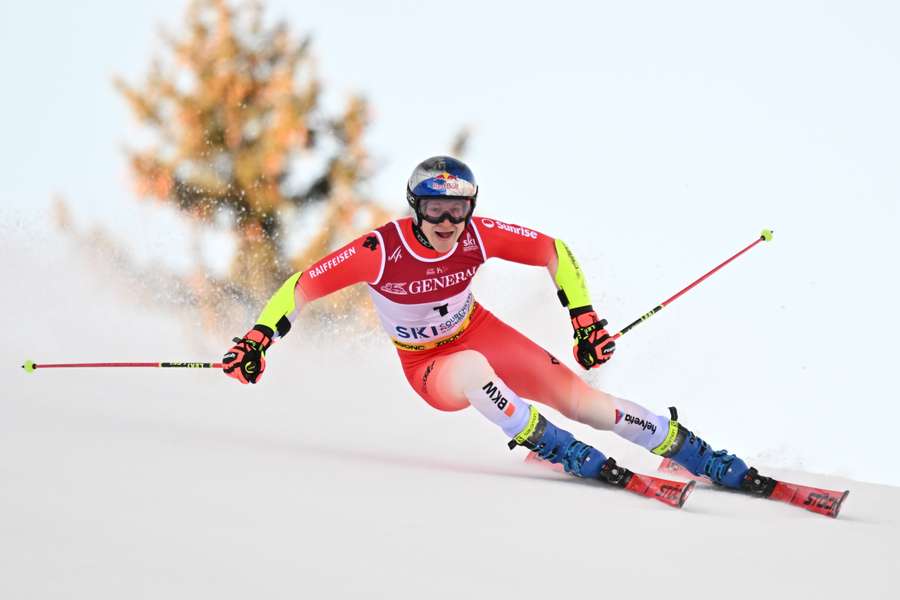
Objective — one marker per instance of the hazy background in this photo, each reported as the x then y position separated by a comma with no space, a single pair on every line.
671,134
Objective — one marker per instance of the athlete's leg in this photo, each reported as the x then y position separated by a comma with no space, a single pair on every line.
452,381
535,374
503,355
421,372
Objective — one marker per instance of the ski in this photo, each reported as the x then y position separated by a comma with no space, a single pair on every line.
672,493
818,500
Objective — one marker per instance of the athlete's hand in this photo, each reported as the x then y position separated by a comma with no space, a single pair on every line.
246,360
593,344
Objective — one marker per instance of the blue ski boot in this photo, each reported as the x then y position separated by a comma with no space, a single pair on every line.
696,456
558,446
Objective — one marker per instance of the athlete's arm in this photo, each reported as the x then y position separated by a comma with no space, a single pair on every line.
593,345
360,260
529,247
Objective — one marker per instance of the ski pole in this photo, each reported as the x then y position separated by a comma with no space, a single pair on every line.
30,366
766,235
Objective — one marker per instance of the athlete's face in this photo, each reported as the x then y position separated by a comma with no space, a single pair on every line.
442,236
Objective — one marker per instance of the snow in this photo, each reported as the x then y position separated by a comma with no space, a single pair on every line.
332,480
678,131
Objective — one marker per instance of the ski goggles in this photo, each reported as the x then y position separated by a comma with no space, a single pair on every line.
435,210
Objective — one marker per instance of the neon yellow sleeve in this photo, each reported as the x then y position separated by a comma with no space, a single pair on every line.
279,311
569,279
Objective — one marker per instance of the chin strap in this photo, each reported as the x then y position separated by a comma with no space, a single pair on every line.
420,235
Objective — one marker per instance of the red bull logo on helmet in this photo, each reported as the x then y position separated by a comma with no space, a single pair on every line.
441,176
444,181
451,184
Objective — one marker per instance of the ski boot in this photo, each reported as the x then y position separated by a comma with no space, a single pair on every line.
696,456
558,446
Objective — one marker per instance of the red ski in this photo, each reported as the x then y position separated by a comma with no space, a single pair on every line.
818,500
673,493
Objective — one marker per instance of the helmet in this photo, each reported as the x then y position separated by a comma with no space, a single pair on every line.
441,188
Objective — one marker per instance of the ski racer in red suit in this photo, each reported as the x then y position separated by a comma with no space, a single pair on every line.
455,353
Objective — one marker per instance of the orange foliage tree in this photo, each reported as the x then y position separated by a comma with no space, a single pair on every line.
234,114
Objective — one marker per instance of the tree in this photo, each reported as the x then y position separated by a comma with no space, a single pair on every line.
233,113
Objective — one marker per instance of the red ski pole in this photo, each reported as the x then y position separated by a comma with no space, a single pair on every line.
766,235
30,365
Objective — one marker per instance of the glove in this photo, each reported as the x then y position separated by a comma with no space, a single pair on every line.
593,345
246,360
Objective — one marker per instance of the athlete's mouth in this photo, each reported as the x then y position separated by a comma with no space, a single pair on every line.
444,235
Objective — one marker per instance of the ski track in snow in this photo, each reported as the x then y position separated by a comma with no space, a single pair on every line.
332,481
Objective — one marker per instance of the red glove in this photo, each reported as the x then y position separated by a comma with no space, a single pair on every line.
593,344
246,360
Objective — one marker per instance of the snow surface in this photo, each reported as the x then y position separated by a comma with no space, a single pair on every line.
332,480
678,134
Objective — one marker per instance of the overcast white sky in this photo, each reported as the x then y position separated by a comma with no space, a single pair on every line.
652,104
670,135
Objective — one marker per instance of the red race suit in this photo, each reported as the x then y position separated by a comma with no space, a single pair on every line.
426,306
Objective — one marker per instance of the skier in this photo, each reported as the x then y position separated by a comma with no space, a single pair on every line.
455,353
